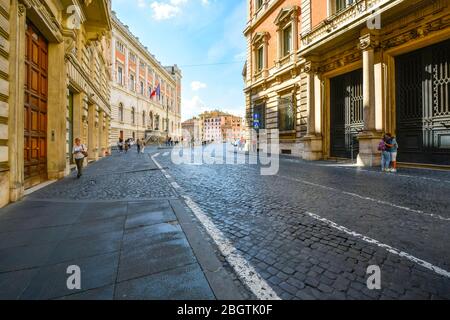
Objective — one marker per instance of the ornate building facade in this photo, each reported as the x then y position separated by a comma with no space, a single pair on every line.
146,96
367,67
274,82
54,87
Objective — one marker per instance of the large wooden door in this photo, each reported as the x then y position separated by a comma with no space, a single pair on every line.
347,118
423,109
35,113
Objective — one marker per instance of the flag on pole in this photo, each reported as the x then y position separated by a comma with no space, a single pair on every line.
156,92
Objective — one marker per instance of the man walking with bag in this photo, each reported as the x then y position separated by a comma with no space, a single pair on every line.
79,153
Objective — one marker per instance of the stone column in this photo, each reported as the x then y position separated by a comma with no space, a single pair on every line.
126,71
78,108
16,102
369,138
311,99
113,60
108,134
101,133
92,132
279,46
57,108
313,140
295,21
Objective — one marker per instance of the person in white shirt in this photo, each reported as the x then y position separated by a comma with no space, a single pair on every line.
79,153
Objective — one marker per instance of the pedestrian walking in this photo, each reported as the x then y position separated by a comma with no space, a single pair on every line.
385,154
120,145
143,146
392,147
138,145
79,153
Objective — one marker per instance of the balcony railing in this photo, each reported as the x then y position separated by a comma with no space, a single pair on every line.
360,10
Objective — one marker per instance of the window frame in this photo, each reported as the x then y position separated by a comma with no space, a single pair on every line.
283,124
291,41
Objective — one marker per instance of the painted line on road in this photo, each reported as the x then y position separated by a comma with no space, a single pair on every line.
359,169
436,216
388,248
255,285
248,275
166,154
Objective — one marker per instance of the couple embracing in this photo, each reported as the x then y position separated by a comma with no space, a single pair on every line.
389,150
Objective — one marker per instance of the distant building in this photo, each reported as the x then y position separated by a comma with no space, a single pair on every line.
191,130
136,74
217,126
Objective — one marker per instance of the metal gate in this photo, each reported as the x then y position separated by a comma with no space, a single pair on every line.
423,112
347,116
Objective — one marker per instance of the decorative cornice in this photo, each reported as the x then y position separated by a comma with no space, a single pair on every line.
287,14
368,41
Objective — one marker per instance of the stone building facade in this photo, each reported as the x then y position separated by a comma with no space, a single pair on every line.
220,126
274,82
54,87
136,74
366,67
191,130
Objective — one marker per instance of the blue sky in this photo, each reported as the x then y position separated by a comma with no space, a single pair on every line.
191,33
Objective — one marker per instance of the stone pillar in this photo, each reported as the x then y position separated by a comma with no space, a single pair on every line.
295,34
16,101
126,71
92,132
279,47
57,108
113,60
78,108
101,133
369,138
313,141
108,134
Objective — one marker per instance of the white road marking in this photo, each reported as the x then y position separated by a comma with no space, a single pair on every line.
436,216
166,154
260,288
156,155
359,169
176,185
388,248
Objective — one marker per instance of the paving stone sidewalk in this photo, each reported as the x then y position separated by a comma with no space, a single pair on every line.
119,223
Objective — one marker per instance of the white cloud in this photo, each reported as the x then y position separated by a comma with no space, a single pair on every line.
166,10
193,107
197,85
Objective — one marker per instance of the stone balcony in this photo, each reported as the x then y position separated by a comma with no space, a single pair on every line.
351,20
98,16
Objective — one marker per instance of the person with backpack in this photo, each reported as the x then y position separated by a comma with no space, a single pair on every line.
385,154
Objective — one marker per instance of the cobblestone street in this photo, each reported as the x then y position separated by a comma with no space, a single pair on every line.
140,227
312,230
